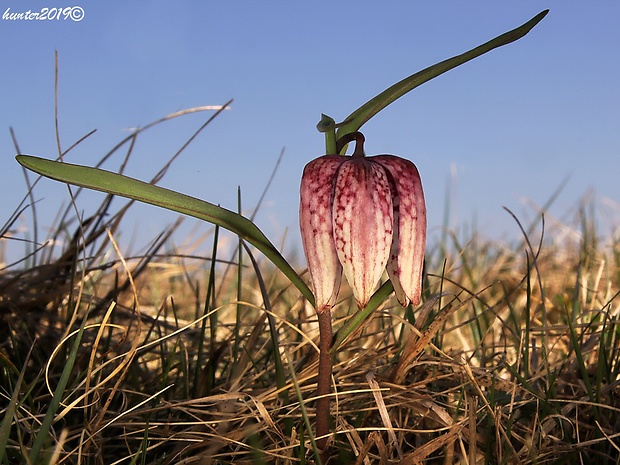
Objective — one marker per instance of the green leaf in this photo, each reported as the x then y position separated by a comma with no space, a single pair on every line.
113,183
360,116
357,320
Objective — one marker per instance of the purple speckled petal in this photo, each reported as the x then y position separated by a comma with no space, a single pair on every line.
316,225
407,254
363,220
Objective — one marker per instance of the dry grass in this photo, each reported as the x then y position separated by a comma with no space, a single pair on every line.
173,359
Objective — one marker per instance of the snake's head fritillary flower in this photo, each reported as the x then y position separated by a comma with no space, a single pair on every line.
362,215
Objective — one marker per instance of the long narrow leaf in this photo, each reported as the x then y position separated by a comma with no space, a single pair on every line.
124,186
356,119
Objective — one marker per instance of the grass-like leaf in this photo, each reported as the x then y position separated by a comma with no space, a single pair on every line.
360,116
44,432
359,317
124,186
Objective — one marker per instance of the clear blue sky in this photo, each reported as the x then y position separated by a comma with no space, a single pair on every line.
509,126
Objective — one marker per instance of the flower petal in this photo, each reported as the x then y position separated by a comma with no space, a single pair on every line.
363,220
315,221
406,263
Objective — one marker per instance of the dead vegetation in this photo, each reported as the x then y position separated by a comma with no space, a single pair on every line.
171,358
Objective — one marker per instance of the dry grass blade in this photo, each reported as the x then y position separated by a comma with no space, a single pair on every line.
385,416
422,453
417,342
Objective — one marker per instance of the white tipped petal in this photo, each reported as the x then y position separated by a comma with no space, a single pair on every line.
315,221
406,262
363,221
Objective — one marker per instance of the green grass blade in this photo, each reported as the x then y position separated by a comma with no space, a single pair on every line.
48,420
273,329
207,364
113,183
5,427
360,116
360,316
237,332
577,346
141,454
304,412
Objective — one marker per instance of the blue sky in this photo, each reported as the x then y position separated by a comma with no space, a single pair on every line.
503,130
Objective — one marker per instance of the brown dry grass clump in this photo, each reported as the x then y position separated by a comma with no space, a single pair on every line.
170,358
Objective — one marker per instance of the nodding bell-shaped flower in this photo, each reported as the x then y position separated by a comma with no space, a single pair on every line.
362,215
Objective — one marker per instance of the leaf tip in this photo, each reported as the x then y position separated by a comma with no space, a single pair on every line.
327,123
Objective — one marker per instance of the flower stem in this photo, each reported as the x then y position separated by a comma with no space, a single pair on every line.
359,139
324,381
